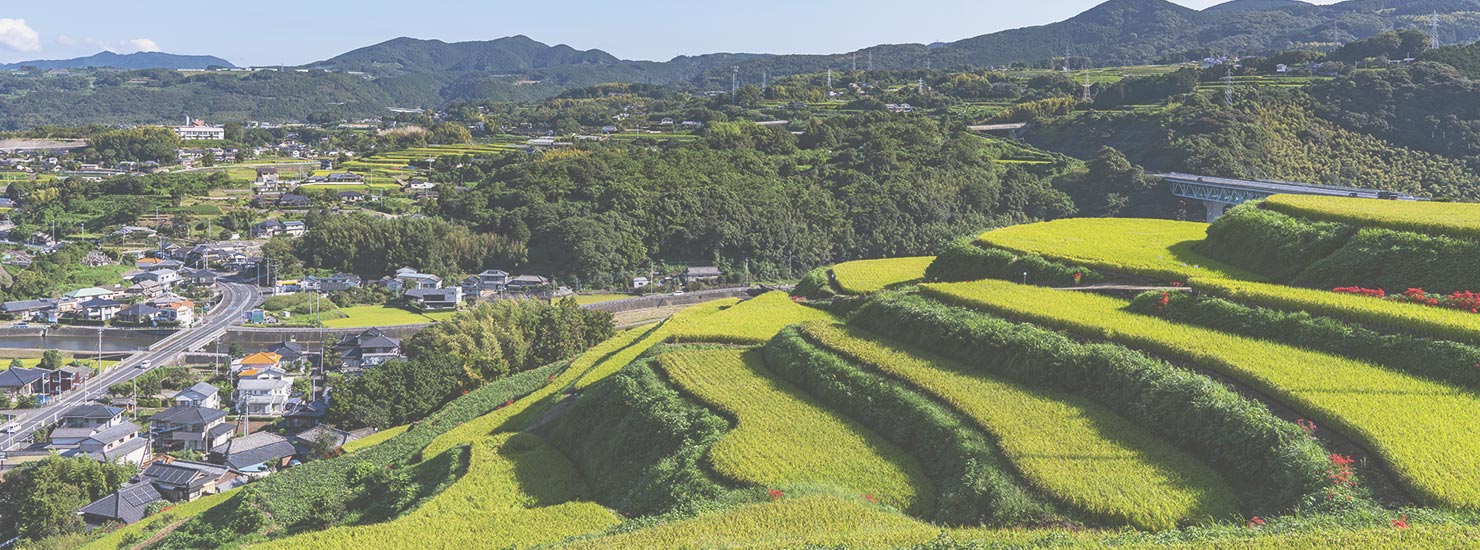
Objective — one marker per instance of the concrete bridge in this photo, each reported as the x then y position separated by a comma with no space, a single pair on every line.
1217,194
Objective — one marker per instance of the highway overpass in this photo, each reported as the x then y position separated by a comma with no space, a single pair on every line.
1217,194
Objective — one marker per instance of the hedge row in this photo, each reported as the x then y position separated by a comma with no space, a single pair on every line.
639,443
816,285
1441,360
964,260
1398,260
1272,244
1278,463
975,485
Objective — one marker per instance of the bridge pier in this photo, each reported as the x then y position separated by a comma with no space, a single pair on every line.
1215,209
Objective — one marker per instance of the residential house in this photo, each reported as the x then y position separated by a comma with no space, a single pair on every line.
199,395
180,313
148,289
199,278
257,454
300,414
289,353
353,196
28,309
339,281
67,378
291,200
190,428
701,274
527,282
130,503
267,176
257,361
166,277
20,382
198,130
419,185
309,438
368,349
167,479
100,309
137,314
640,282
85,294
159,264
134,231
407,279
262,395
493,279
100,433
429,299
273,228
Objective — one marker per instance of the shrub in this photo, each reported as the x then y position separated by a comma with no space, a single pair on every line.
816,285
639,443
964,260
1272,244
1396,260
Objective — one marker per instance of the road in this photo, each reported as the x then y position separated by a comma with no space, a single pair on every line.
236,300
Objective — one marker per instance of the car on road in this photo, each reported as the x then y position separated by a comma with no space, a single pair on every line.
144,364
10,429
678,292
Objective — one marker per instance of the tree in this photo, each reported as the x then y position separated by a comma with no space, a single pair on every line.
135,144
51,360
325,444
17,363
40,499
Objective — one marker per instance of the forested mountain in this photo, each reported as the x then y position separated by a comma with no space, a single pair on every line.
137,60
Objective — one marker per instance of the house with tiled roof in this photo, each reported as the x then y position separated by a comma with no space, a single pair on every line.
190,428
257,454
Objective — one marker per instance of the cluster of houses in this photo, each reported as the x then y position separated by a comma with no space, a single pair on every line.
150,300
21,382
428,292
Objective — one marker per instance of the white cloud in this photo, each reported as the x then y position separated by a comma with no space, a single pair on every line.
138,45
66,41
17,35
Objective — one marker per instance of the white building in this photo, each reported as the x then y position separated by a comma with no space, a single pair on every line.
197,130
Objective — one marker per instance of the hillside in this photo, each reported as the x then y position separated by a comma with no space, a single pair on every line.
902,412
137,60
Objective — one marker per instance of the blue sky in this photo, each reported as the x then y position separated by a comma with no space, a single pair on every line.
269,32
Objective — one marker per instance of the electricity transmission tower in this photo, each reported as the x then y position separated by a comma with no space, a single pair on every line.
1228,87
735,84
1434,30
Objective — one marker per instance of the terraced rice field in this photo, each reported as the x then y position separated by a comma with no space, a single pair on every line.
1418,319
518,491
1075,450
870,276
1424,430
1160,249
783,438
753,321
1454,219
375,438
610,356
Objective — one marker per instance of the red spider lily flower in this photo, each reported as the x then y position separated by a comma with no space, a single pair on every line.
1255,522
1166,298
1401,523
1308,426
1077,276
870,497
776,494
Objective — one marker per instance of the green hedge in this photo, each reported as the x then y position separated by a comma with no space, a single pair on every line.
639,443
1271,244
816,285
1273,460
964,260
1441,360
1399,260
975,482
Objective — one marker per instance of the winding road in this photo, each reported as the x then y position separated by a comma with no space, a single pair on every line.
236,300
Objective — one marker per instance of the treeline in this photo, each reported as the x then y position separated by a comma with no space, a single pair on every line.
1425,106
489,342
143,144
40,499
751,197
373,246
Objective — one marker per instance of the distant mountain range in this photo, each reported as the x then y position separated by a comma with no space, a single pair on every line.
132,61
409,72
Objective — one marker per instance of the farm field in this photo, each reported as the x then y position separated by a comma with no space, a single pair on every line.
609,356
383,316
1150,248
750,322
584,299
517,490
1417,319
1454,219
869,276
1118,471
783,438
375,438
1423,430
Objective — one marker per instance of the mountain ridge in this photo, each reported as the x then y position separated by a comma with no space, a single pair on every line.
132,61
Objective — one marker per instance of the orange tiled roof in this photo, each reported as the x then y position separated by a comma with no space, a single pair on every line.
262,358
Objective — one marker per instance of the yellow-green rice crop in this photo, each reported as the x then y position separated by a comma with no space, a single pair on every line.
518,491
1385,315
869,276
1425,430
152,525
610,356
753,321
1145,247
782,437
375,438
1079,452
1454,219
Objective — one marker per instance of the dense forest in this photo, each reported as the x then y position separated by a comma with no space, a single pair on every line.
753,197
